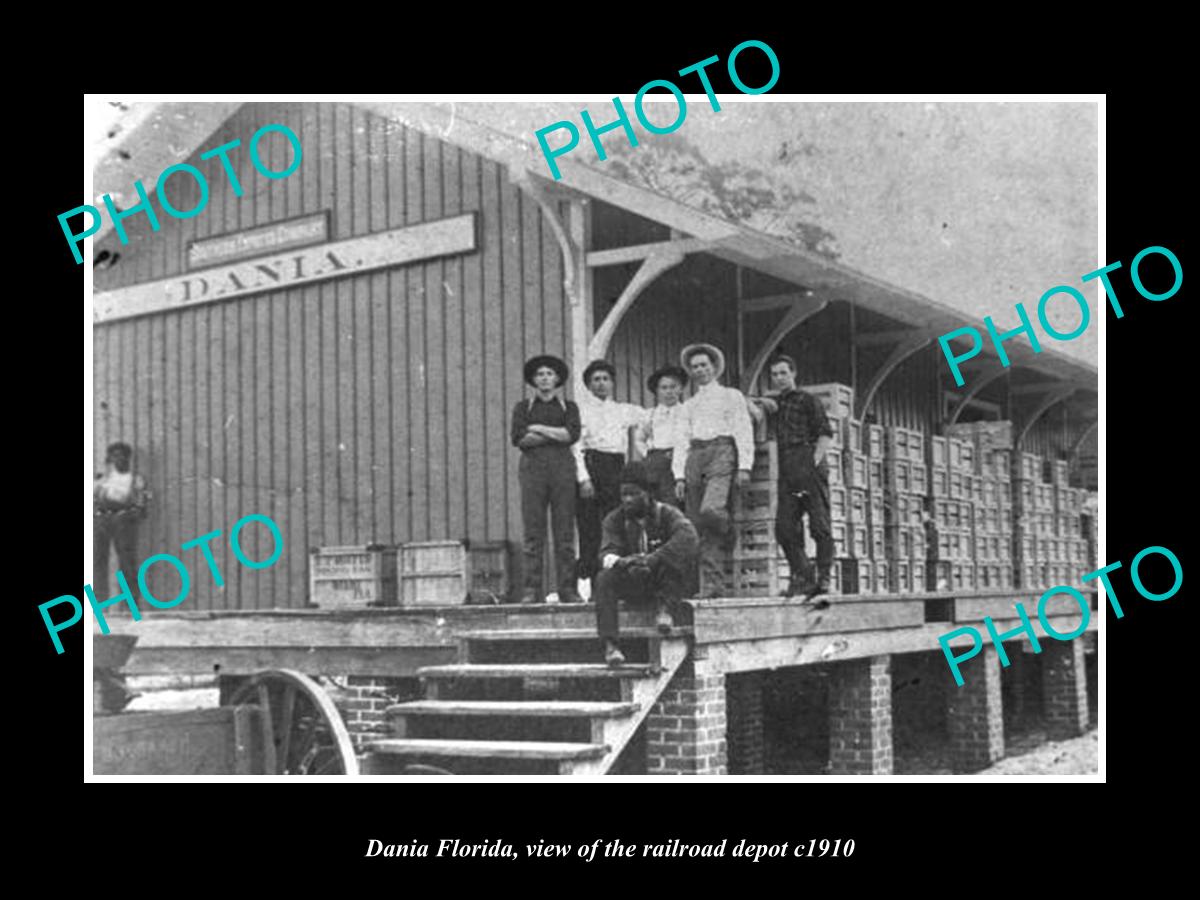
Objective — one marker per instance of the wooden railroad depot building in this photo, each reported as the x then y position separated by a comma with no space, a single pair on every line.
341,349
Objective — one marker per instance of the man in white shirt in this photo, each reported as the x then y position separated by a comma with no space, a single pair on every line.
600,454
715,440
119,498
661,431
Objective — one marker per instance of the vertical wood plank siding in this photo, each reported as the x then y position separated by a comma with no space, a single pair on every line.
372,407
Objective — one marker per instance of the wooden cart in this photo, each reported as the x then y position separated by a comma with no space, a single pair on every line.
280,722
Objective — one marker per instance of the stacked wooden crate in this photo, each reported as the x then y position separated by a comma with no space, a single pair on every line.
905,485
848,472
1071,544
1033,518
988,490
753,568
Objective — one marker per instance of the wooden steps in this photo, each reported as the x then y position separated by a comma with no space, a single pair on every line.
567,758
531,700
549,708
536,670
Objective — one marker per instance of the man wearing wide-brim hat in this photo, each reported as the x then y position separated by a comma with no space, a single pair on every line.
715,441
544,427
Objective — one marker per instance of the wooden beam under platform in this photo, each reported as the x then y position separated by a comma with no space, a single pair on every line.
741,634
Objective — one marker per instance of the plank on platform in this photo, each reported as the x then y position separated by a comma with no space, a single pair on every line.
754,621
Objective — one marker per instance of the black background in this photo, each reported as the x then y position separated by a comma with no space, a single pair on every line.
918,834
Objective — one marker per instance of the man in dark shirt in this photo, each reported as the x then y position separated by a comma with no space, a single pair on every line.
804,435
544,427
649,553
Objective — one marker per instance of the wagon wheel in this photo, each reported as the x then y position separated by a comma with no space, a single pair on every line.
301,730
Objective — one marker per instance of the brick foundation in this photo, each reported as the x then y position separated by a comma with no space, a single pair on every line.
975,716
744,723
364,701
1013,682
860,717
685,731
1064,688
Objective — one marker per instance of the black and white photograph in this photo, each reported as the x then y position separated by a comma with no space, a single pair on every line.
693,434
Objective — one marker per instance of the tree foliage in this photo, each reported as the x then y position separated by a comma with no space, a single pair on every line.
766,201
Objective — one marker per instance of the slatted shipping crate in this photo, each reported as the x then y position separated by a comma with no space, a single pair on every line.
444,573
352,577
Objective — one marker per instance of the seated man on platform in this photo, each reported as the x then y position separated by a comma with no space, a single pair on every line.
648,554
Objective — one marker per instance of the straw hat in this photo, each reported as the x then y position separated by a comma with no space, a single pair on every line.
713,352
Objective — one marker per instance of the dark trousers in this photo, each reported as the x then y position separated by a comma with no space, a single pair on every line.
662,586
548,483
658,464
118,530
799,475
710,471
604,469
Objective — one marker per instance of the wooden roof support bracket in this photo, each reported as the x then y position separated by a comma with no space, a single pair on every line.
524,179
804,308
905,348
1078,445
978,383
653,266
1053,397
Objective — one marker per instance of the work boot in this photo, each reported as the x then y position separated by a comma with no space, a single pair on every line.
613,655
821,587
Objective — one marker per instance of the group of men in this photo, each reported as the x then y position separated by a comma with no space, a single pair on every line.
621,473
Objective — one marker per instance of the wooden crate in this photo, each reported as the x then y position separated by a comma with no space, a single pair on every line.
938,454
897,475
833,460
837,398
446,573
852,435
859,547
939,481
755,501
916,447
856,506
874,474
754,577
754,539
838,508
352,577
920,479
873,436
766,462
856,470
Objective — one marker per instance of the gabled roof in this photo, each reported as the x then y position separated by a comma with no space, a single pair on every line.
730,241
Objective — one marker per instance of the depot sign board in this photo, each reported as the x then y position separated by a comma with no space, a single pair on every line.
298,268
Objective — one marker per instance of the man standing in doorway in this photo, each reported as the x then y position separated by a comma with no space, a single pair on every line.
804,435
120,498
544,427
599,456
715,440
